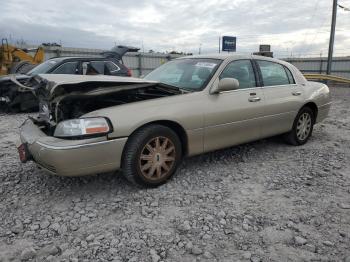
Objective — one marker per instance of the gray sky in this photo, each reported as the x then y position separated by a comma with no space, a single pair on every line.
297,27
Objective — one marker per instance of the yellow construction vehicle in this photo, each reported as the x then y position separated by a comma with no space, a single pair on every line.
15,60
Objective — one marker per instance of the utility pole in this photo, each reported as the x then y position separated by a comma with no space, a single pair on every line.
331,38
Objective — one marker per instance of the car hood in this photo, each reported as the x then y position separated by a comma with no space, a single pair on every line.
53,90
70,82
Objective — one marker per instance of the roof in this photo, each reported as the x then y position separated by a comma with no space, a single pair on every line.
220,56
235,56
61,58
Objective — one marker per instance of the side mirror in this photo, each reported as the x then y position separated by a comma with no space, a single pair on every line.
227,84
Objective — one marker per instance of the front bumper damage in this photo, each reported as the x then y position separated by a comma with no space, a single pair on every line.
70,157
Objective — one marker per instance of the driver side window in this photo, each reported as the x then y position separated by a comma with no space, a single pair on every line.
243,71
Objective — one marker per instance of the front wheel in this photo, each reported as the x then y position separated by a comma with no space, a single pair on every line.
302,127
152,155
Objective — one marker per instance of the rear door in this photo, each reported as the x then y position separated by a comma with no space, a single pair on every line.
283,97
233,117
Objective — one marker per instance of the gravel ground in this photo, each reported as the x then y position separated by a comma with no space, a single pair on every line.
263,201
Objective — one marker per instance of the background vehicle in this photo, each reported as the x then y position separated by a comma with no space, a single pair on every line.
14,60
185,107
109,63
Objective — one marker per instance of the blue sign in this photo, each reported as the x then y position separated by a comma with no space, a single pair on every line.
229,43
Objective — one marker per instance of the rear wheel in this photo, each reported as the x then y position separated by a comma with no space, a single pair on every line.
151,155
302,127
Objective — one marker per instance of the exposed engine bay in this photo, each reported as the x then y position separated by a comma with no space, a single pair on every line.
72,100
76,104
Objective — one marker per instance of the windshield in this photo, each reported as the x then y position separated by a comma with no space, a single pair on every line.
43,68
190,73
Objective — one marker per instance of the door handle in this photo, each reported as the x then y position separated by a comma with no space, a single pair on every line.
296,93
254,99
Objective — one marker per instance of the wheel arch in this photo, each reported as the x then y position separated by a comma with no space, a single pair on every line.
313,107
175,126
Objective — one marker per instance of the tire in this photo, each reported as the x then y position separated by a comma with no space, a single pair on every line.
151,155
302,127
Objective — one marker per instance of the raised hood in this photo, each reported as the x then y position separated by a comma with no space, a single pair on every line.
51,82
70,96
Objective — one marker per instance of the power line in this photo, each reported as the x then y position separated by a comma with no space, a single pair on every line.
316,34
344,8
312,17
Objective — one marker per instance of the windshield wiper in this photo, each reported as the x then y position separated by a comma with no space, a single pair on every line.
184,89
172,88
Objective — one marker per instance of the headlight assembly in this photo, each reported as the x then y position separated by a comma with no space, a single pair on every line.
91,126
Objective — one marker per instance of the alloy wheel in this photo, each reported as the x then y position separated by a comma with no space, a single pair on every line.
304,126
157,158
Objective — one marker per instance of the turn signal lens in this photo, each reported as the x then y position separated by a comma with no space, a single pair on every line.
82,127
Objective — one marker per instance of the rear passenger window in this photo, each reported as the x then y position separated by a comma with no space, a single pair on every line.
273,74
290,76
111,67
98,66
243,71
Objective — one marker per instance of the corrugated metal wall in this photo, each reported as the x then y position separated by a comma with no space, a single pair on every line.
138,63
143,63
340,65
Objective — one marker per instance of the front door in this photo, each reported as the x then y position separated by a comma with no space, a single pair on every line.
234,116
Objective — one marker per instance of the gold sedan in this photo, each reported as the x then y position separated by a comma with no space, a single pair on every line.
191,105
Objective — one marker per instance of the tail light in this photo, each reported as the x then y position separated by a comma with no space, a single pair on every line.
23,152
129,73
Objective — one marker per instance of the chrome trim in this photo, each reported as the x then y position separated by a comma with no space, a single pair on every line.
258,87
297,93
254,99
194,130
234,122
288,85
242,89
250,119
76,146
